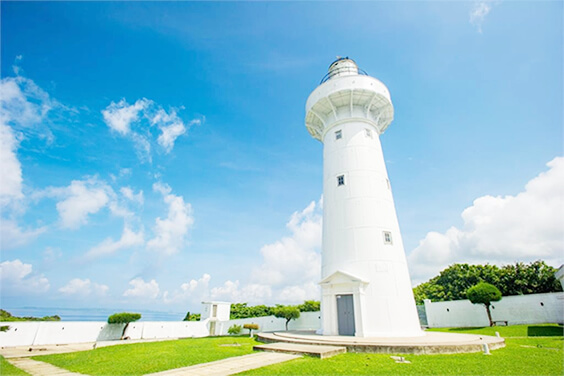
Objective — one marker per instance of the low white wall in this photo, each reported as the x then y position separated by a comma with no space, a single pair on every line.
517,309
64,332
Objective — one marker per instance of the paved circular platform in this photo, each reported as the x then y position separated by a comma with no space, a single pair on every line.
430,343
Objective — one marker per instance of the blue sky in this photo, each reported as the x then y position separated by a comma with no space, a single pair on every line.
155,154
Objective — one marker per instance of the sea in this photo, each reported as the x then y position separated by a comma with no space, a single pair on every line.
92,314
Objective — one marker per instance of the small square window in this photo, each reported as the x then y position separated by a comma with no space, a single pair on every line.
338,134
387,237
368,132
341,180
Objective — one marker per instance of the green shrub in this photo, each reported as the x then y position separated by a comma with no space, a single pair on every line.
4,328
234,329
123,318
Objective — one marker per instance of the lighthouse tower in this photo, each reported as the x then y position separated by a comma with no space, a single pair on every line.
366,289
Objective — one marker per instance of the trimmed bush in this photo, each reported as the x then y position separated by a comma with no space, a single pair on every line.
484,293
251,327
123,318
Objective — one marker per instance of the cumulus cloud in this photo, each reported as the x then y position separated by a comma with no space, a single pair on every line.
108,247
141,289
290,269
294,260
501,229
83,288
18,277
119,116
253,293
137,120
478,14
171,232
194,291
10,167
79,200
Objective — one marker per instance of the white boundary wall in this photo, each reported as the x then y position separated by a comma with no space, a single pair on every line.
65,332
517,309
37,333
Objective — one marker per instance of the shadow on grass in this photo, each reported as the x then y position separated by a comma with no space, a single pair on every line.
545,331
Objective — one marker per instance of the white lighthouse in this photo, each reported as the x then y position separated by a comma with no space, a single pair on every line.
366,289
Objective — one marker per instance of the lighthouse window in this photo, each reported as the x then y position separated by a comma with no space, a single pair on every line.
341,180
387,237
338,134
368,132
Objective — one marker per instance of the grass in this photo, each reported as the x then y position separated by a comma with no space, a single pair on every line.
526,353
8,369
530,350
143,358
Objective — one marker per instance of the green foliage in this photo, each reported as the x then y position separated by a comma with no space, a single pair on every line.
484,293
192,316
149,357
453,282
4,328
234,329
310,306
251,326
123,318
242,311
7,316
288,313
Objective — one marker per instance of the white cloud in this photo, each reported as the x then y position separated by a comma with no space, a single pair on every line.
142,289
501,230
17,277
253,293
478,14
194,291
108,246
294,260
127,192
119,116
290,268
81,199
171,233
143,115
10,167
83,288
13,236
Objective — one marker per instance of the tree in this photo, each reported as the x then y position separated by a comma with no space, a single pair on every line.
484,293
288,313
310,306
123,318
192,316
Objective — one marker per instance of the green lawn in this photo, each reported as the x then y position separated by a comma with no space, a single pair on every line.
8,369
526,353
142,358
530,350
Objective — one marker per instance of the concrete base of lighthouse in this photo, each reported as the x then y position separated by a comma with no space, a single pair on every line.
427,343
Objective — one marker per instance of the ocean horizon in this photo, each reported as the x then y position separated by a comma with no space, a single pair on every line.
92,314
